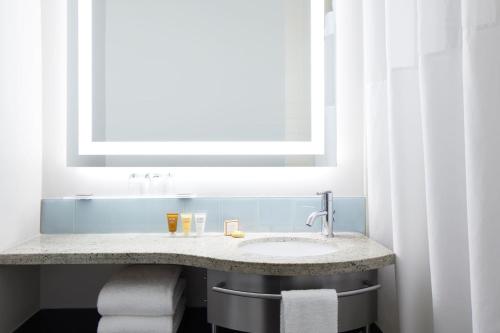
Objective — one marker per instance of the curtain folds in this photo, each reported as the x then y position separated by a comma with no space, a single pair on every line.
432,104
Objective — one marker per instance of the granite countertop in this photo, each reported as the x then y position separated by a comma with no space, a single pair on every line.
212,251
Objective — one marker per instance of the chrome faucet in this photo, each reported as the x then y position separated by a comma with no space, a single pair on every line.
327,211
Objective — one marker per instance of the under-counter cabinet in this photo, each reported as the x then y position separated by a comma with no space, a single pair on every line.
251,303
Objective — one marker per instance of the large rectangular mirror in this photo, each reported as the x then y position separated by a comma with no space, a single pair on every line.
197,82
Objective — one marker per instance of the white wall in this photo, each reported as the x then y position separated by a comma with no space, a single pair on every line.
347,179
20,152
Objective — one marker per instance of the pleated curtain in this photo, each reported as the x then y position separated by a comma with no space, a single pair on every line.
432,106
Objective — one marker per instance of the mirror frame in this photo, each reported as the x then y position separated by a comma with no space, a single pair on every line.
86,145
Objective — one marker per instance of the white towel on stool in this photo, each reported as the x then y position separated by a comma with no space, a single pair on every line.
142,290
309,311
138,324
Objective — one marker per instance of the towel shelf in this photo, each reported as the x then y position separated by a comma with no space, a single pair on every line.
220,289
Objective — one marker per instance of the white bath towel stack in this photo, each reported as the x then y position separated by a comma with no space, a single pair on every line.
142,299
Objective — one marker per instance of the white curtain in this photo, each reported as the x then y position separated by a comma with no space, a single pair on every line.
432,103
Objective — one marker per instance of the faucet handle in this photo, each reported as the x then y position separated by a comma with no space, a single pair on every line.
324,193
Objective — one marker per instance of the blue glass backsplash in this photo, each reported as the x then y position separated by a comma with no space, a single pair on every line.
136,215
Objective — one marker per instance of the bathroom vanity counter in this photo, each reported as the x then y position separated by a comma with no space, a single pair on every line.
355,252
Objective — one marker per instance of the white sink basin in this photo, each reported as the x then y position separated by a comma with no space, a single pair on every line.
287,247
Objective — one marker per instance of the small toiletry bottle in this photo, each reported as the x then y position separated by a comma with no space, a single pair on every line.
186,223
172,222
230,226
200,220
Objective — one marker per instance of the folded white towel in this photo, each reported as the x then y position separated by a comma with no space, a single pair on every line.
309,311
137,324
113,308
142,290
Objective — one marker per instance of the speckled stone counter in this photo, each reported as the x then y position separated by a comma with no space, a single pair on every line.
213,251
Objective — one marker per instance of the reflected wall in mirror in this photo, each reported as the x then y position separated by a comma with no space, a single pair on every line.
196,82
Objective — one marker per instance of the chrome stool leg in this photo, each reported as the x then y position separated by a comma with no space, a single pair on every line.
367,329
214,328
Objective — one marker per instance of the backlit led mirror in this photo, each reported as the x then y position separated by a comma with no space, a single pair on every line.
201,83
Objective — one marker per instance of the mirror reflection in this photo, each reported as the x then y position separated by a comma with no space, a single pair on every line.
197,70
